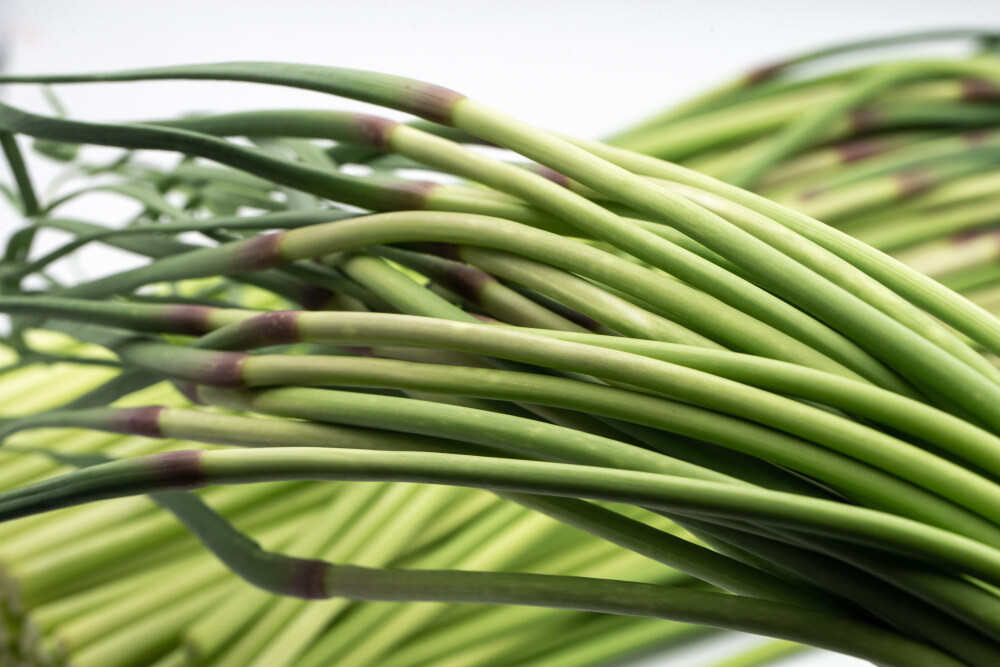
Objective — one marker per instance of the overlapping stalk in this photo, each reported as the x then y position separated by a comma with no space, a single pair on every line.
733,415
901,153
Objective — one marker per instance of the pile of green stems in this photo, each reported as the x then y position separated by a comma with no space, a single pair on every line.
123,582
612,273
908,164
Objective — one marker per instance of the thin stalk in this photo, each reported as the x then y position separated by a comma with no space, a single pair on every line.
907,230
533,589
223,429
836,204
840,472
662,602
29,201
916,418
184,470
397,289
470,637
216,628
881,162
547,196
382,626
150,636
771,78
877,80
439,104
264,222
975,607
481,289
878,450
922,291
866,578
386,528
692,308
46,578
699,562
576,293
660,377
288,286
528,438
103,621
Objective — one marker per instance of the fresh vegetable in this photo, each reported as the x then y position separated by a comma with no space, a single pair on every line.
579,379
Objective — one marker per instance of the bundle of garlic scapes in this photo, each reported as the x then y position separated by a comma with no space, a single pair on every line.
646,401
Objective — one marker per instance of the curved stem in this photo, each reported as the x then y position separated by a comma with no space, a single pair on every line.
909,284
191,469
945,431
547,196
660,377
635,599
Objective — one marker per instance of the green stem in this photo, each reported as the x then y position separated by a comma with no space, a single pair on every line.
678,553
916,418
909,284
660,377
667,493
639,599
15,160
480,289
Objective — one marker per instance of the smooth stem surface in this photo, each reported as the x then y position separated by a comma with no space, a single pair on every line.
192,468
29,201
637,599
896,344
944,430
922,291
660,377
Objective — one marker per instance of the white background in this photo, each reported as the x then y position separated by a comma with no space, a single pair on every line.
584,67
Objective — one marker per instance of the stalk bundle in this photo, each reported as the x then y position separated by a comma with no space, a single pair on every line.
629,399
